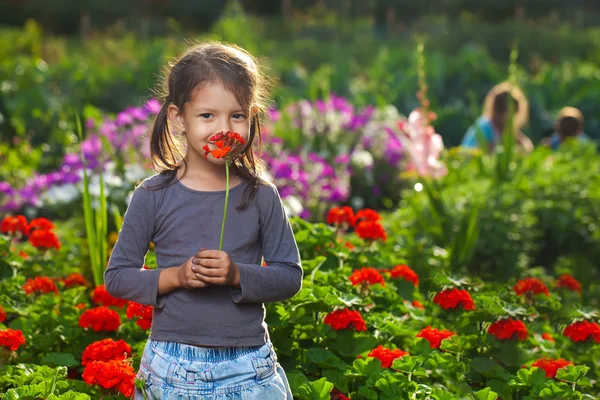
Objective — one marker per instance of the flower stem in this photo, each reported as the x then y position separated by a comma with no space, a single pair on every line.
226,201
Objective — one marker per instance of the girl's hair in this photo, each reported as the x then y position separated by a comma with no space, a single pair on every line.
203,64
497,102
569,122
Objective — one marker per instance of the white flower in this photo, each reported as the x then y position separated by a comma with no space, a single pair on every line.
63,194
362,158
135,172
293,206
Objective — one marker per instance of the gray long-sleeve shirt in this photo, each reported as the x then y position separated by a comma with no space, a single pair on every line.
180,221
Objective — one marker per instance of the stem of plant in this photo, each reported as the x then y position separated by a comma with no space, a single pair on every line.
226,201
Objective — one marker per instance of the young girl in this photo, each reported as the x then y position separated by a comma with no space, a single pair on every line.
209,339
569,125
487,131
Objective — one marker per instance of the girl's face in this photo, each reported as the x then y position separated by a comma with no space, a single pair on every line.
211,110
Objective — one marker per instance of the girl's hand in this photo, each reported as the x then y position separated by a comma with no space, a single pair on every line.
186,277
215,266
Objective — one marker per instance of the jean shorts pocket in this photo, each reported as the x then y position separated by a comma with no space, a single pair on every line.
191,375
264,367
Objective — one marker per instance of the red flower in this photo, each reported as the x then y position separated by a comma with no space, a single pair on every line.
417,303
386,356
506,329
100,319
371,230
116,375
41,224
12,225
44,240
40,285
583,330
80,306
434,336
142,312
529,286
452,298
106,350
101,297
551,366
567,281
406,273
367,215
337,395
344,319
349,246
2,314
341,216
23,255
223,143
75,279
11,339
365,276
547,336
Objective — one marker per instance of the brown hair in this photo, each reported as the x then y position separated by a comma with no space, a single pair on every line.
205,63
570,122
496,102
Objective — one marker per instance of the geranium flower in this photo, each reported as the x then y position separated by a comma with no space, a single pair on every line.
530,286
142,313
2,314
509,328
551,366
222,144
11,339
452,298
115,375
583,330
345,319
44,240
367,214
101,297
75,279
41,224
406,273
40,285
366,276
100,319
371,230
341,216
386,356
547,336
13,225
106,350
435,336
567,281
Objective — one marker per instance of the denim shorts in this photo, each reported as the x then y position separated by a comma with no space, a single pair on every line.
180,371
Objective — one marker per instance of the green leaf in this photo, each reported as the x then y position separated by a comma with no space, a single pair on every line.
485,394
317,390
64,359
572,373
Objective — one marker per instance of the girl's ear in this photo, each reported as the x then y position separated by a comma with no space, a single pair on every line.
175,118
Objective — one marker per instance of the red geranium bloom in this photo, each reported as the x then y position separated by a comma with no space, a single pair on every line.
509,328
418,304
371,230
529,286
13,225
44,240
11,339
2,314
337,395
551,366
349,246
223,143
583,330
547,336
23,255
435,336
386,356
116,375
40,285
367,214
106,350
341,216
567,281
452,298
142,313
41,224
75,279
365,276
100,319
345,319
80,306
405,272
101,297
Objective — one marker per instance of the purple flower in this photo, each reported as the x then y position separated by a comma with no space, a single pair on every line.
274,114
6,188
153,106
124,118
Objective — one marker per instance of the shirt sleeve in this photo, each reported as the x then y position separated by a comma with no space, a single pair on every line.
281,278
124,276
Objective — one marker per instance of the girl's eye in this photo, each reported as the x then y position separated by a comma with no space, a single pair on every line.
238,116
206,115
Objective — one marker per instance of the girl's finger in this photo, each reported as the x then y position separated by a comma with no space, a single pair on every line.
203,271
